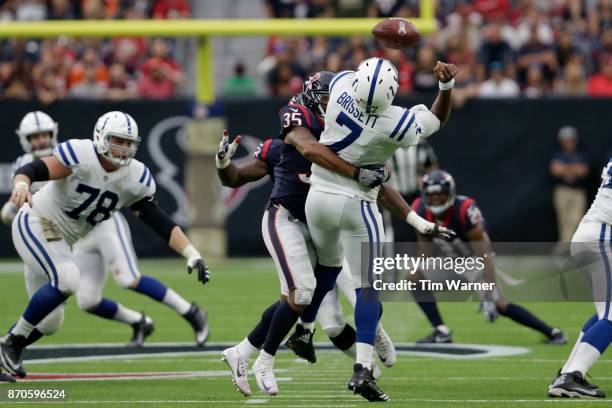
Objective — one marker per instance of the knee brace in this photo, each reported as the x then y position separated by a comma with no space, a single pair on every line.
52,322
68,278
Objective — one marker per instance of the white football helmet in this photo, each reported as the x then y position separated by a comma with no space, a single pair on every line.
120,125
375,85
34,123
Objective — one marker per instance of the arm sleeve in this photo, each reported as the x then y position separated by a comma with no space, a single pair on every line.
35,171
154,217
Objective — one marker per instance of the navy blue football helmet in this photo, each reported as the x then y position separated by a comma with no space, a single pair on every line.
438,183
316,92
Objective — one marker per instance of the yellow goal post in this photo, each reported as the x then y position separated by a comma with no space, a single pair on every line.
204,29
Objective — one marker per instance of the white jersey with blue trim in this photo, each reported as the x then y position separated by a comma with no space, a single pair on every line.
601,208
90,194
23,160
364,139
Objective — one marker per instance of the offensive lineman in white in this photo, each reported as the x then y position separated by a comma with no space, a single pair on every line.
90,181
364,128
591,249
109,245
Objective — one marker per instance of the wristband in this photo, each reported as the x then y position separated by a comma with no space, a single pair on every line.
221,164
419,223
190,252
445,86
21,185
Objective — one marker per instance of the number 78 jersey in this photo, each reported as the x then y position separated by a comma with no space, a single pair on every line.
90,194
364,139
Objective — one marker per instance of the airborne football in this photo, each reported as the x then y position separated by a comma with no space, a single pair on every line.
305,203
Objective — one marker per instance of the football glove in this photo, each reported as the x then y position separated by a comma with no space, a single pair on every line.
488,308
226,150
429,228
370,177
195,261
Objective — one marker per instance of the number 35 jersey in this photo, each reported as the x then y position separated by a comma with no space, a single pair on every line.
364,139
90,194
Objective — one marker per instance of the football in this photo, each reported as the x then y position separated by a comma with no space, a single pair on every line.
396,33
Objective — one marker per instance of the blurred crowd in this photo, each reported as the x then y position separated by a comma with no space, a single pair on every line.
503,48
116,69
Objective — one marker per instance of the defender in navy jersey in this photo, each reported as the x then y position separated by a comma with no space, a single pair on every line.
440,204
284,229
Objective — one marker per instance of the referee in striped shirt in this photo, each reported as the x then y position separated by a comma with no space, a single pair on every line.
407,168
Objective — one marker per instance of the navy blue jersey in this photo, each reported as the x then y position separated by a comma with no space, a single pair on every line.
462,217
292,172
269,152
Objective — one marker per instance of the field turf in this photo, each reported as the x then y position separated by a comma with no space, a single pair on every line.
235,297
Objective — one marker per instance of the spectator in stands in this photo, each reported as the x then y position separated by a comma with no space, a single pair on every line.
565,48
393,8
404,69
30,10
351,8
170,9
89,59
494,49
498,85
120,85
534,52
61,10
160,74
463,26
569,168
536,86
465,87
600,84
90,87
239,85
423,77
493,10
572,81
281,8
92,9
50,86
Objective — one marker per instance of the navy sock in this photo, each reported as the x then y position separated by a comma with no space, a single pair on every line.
106,309
257,336
523,316
34,337
367,311
151,287
599,335
427,302
326,280
345,339
283,320
43,302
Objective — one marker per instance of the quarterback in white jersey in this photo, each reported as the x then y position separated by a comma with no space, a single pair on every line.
364,128
591,249
90,180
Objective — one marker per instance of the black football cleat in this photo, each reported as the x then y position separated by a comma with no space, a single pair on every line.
437,337
142,330
300,342
6,378
573,385
557,336
197,318
363,383
11,350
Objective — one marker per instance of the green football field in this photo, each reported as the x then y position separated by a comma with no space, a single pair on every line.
235,297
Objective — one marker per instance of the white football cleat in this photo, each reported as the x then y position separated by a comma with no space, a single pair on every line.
239,368
384,347
264,375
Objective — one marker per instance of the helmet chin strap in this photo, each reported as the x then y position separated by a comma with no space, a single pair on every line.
38,153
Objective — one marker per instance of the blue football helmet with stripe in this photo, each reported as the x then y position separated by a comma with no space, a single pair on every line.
110,127
376,83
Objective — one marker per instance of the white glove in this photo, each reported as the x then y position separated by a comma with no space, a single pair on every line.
21,194
195,261
8,213
226,150
429,228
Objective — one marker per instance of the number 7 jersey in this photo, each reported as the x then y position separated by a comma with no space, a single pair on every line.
90,194
364,139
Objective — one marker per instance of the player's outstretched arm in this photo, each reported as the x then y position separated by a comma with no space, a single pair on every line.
232,175
444,101
392,200
318,153
148,211
47,168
